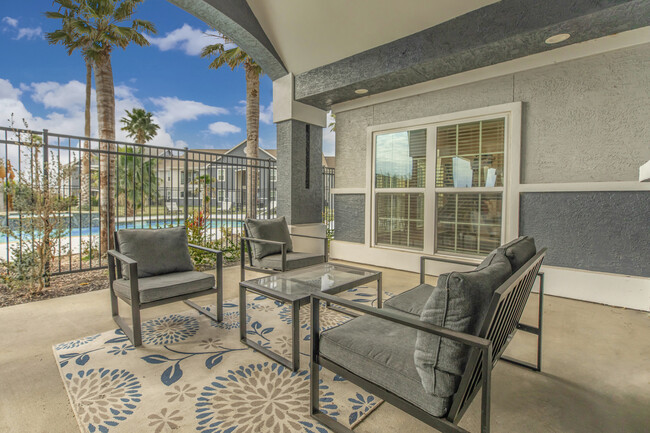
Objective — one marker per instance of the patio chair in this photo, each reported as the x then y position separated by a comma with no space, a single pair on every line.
270,250
432,364
150,267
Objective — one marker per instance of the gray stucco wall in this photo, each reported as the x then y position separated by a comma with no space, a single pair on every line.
584,120
349,217
596,231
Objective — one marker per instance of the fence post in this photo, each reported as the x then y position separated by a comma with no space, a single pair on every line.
46,192
185,186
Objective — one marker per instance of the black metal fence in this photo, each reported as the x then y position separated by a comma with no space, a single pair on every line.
149,187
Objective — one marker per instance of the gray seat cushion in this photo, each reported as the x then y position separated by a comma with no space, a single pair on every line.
519,251
294,261
275,229
157,251
411,301
381,352
166,286
459,302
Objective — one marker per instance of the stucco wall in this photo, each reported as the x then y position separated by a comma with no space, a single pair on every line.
584,120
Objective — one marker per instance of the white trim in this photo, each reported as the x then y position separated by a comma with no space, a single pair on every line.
631,292
584,186
343,191
562,54
644,172
285,107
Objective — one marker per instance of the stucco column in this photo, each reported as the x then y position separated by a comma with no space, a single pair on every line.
300,155
300,179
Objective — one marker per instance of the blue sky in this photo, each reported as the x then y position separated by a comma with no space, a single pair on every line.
195,106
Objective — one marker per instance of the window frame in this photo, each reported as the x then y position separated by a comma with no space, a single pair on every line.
511,112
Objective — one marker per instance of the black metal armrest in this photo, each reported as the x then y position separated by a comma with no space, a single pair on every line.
209,250
405,320
308,236
133,272
218,264
423,259
263,241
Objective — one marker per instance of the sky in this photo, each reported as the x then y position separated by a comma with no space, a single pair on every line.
194,106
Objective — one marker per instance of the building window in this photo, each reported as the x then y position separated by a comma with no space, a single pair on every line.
441,187
221,175
182,194
469,182
220,195
182,178
274,175
400,174
169,195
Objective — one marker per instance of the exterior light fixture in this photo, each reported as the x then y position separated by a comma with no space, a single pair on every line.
556,39
361,91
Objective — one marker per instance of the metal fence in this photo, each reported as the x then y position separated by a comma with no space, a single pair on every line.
328,200
148,187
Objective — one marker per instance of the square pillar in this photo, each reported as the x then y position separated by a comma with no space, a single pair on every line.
300,166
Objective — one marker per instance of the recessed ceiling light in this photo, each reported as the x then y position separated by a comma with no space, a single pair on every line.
556,39
361,91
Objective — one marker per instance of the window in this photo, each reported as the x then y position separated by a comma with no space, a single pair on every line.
400,174
441,187
221,175
182,178
182,194
469,166
169,195
274,175
220,195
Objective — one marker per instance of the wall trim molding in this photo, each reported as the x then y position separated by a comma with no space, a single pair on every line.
591,286
584,186
605,44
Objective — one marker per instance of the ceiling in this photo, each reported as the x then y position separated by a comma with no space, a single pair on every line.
310,33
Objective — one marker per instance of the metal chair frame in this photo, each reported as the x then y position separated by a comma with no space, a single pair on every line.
135,333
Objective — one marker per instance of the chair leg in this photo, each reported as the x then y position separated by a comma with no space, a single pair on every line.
137,326
219,304
114,306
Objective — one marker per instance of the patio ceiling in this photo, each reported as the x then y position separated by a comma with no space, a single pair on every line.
334,48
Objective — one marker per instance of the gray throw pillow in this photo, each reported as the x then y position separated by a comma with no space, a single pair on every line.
275,229
157,251
459,302
519,251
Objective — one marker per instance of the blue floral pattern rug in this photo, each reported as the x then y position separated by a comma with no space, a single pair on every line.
194,375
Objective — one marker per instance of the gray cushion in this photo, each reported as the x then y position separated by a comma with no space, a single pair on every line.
166,286
381,352
158,252
272,230
519,251
294,261
459,302
411,301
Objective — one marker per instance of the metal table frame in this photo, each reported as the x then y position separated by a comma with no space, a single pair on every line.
296,302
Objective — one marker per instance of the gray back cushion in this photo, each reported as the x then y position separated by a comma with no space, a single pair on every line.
519,251
159,251
459,302
275,229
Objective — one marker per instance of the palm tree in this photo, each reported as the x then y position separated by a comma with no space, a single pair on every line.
139,125
233,58
72,41
100,26
137,181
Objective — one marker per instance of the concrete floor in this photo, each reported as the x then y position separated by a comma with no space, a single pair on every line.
596,374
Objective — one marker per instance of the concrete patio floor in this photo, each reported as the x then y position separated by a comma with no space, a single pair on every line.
596,371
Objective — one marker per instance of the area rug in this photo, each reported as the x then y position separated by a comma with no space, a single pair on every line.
194,375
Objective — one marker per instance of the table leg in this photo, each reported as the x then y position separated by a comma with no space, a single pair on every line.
379,292
295,339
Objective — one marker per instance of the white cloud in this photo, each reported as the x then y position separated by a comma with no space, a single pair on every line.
186,38
29,33
223,128
70,96
7,91
12,22
266,113
174,110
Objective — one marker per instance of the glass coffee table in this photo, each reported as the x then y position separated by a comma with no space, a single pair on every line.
295,287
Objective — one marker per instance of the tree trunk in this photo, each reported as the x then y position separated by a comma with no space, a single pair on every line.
107,166
252,136
85,157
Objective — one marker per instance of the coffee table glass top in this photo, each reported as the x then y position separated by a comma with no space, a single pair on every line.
325,277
